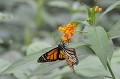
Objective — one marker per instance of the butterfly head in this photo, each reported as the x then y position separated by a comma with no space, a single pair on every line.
62,45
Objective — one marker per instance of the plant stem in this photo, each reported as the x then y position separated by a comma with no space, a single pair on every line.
111,72
38,13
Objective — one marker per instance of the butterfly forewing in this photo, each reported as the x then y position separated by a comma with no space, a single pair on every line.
51,55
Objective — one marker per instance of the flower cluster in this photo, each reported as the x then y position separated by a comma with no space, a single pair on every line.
68,31
97,9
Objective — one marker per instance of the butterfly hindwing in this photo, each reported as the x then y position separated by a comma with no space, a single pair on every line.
71,55
61,55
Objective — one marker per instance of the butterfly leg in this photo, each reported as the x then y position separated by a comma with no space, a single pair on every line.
70,64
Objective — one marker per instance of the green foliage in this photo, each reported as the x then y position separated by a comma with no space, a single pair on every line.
27,60
110,8
98,40
115,31
83,52
3,65
111,50
36,47
34,21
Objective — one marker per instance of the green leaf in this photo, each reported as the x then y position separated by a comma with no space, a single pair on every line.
83,69
111,50
35,52
98,40
47,67
27,60
36,47
97,77
114,63
77,23
110,8
91,63
3,65
115,31
82,53
83,22
69,76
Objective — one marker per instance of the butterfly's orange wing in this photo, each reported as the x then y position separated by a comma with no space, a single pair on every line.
51,55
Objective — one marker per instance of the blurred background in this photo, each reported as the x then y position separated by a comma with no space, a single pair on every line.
23,22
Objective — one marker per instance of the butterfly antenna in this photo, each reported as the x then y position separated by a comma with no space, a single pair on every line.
62,42
52,35
68,42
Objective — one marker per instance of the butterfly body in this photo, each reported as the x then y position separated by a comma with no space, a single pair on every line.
62,52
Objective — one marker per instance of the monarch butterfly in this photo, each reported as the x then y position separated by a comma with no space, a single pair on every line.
62,52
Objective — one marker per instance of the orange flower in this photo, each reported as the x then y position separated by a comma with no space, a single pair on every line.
68,31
